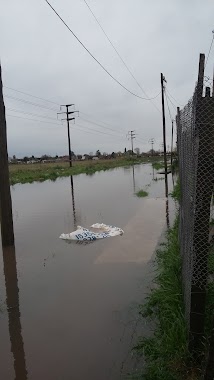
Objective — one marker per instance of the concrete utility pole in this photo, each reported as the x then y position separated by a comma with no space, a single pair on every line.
164,132
172,141
68,127
5,196
152,141
132,137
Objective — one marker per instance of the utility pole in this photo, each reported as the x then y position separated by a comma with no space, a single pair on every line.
6,214
68,127
161,149
132,137
164,132
172,141
14,322
152,141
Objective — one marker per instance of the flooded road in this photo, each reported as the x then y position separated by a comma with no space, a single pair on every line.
70,311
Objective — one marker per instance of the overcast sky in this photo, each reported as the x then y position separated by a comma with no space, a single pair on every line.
41,57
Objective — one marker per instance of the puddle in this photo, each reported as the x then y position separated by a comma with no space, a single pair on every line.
72,308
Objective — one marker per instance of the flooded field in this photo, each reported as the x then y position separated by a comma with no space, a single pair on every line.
69,311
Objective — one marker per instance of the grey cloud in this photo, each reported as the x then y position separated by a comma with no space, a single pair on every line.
40,56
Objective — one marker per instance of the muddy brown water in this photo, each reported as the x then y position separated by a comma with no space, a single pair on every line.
70,311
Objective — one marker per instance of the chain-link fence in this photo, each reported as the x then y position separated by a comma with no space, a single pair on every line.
195,142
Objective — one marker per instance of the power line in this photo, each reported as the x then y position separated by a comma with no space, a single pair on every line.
100,121
92,122
172,126
175,107
51,109
27,102
100,64
174,98
36,104
26,118
209,49
32,114
33,96
170,115
83,129
120,57
59,124
91,129
140,141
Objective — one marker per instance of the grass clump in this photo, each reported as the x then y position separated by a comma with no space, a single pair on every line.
166,352
176,193
142,193
158,165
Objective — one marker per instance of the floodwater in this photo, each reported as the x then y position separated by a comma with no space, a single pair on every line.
70,311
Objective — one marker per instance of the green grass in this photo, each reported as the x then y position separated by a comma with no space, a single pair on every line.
142,193
166,352
158,165
176,193
42,172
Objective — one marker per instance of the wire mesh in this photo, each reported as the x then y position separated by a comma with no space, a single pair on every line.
195,139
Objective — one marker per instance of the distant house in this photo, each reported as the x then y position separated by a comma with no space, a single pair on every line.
86,157
95,158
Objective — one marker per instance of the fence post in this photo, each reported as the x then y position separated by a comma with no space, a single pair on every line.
5,196
204,130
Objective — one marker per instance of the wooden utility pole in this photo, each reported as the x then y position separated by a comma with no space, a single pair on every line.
5,196
68,127
14,318
164,133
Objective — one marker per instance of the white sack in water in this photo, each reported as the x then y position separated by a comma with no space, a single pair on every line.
84,234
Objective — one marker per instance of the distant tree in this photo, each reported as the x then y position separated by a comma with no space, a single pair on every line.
137,151
113,155
98,154
56,156
79,156
91,154
45,157
125,150
33,158
25,159
14,157
105,154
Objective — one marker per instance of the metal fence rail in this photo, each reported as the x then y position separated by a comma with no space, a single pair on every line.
195,141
